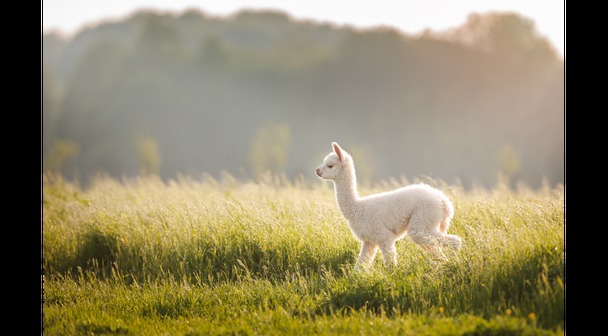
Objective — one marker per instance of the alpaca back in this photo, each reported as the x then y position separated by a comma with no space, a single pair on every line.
395,208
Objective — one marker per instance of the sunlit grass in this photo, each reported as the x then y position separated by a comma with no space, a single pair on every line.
219,256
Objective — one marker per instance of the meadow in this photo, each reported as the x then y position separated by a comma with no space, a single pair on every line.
219,256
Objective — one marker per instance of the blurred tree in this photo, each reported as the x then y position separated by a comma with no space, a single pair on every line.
509,161
159,37
148,155
90,89
504,33
53,52
50,100
213,51
270,148
61,152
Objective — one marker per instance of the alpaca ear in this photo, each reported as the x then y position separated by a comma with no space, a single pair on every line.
337,150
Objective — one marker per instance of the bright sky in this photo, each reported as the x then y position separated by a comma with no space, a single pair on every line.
409,16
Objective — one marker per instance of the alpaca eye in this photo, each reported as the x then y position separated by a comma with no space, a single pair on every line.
330,166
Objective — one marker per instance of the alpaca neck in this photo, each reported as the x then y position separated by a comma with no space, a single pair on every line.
347,195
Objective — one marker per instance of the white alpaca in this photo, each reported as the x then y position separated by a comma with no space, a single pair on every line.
419,211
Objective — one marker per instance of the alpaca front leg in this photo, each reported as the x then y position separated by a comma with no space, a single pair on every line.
366,255
389,252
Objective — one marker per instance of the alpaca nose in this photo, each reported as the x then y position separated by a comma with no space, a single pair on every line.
318,172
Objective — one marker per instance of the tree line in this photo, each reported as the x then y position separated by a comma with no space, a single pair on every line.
191,93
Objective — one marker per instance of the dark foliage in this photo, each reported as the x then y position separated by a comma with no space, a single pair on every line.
465,104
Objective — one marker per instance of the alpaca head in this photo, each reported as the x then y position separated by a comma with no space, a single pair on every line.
334,164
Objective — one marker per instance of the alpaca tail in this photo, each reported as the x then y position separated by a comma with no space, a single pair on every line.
448,213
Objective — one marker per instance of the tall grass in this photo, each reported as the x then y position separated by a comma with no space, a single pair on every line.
219,256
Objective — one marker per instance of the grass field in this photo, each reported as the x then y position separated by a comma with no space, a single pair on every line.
274,257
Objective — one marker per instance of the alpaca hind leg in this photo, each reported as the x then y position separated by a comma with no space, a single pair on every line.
430,241
446,245
423,228
366,255
452,241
